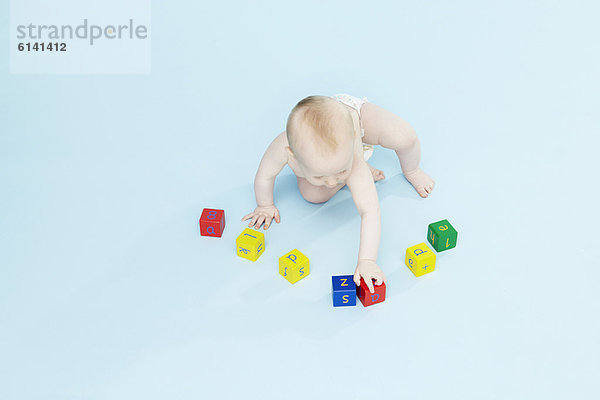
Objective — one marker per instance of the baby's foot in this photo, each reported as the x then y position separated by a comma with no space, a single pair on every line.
377,174
422,182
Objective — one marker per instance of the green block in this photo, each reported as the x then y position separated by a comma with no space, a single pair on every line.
442,235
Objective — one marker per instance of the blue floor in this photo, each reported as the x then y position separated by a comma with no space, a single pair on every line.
107,290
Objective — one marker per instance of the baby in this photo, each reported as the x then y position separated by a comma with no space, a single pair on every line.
326,143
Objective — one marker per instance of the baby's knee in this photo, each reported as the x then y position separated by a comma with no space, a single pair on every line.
400,136
404,138
407,139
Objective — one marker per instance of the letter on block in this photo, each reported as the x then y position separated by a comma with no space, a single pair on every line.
366,297
250,244
212,222
420,259
344,290
442,235
294,266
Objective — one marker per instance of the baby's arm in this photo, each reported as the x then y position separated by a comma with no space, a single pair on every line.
363,191
273,161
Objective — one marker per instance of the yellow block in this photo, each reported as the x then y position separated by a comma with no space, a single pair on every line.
294,266
420,259
250,244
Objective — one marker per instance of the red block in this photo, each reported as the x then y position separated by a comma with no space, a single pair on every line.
212,222
366,297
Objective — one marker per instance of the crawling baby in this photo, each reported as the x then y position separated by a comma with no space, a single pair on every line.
327,143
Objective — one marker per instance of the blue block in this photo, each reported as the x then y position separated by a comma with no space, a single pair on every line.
344,290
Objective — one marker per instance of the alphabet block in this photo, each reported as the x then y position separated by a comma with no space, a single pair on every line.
294,266
344,290
442,235
366,297
212,222
420,259
250,244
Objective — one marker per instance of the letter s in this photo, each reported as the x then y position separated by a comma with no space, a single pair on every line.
21,32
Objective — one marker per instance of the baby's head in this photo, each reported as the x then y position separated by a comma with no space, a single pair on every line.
320,132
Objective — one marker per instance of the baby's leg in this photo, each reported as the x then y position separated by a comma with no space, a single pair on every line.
316,194
385,128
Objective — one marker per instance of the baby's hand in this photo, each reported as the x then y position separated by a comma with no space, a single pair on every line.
369,270
264,214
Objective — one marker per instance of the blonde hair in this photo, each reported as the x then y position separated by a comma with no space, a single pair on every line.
324,116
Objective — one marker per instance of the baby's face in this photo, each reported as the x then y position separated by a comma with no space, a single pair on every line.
327,170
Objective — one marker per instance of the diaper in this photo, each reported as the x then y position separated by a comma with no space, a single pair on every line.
367,151
355,103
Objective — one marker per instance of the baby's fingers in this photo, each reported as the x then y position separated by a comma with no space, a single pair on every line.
260,221
379,279
247,216
268,222
369,283
254,218
277,217
357,278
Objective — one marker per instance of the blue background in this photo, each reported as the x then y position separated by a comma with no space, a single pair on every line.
107,290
